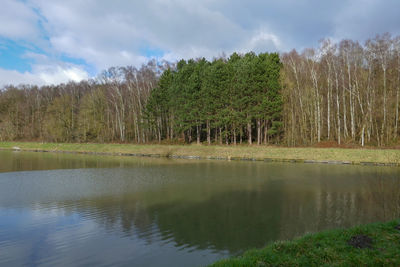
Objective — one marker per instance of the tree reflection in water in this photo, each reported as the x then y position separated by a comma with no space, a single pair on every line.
382,194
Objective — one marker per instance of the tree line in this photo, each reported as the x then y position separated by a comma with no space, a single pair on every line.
343,92
223,101
110,108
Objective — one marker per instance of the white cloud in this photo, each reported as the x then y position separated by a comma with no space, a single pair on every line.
45,71
264,40
42,75
18,21
111,33
58,74
116,33
119,33
8,77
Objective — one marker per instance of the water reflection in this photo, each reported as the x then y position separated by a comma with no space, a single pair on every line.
382,194
31,161
180,212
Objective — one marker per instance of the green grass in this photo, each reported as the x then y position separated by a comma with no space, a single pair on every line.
227,152
329,248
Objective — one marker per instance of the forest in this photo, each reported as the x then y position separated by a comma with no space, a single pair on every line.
343,92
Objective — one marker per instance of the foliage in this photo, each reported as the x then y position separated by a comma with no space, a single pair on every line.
344,93
221,97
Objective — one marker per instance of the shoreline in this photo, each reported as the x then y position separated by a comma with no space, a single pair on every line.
375,244
311,155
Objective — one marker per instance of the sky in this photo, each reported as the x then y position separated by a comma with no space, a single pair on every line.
51,42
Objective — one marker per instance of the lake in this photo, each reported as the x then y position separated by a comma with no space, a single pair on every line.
79,210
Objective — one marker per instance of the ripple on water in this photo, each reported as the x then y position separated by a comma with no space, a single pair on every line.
177,214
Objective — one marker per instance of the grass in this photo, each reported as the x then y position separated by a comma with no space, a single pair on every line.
329,248
355,156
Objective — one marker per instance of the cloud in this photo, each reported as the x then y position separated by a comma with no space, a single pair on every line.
44,71
262,41
9,77
362,19
18,21
114,33
59,74
43,75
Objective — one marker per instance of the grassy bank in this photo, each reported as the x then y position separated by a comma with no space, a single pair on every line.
330,155
381,244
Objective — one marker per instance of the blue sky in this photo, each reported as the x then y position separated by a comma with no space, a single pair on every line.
44,42
11,56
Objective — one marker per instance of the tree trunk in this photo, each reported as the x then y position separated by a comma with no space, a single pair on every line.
234,135
226,135
384,103
265,131
362,135
328,119
220,135
208,133
249,133
337,105
172,127
159,130
397,110
198,134
258,131
344,111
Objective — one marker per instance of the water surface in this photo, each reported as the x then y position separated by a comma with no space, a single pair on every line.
67,209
